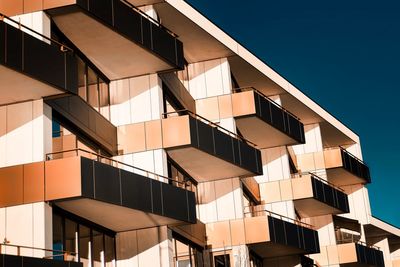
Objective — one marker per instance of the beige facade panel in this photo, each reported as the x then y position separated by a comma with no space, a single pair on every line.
176,131
337,173
308,203
18,7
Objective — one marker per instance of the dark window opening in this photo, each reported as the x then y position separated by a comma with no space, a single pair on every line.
87,242
222,261
186,253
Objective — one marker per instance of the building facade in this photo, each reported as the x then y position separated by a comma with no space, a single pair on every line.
137,133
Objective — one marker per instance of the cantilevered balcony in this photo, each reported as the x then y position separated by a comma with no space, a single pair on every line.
118,38
312,196
14,256
79,116
343,168
266,233
207,151
273,235
119,198
31,68
263,121
356,254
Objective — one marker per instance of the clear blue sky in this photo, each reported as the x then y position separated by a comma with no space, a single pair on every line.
343,54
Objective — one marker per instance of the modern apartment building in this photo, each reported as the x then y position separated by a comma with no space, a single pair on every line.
137,133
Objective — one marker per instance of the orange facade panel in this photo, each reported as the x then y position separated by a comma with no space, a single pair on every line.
11,186
33,182
18,7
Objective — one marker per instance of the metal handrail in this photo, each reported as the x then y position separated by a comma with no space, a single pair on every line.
190,113
254,213
343,240
19,247
299,175
251,88
148,173
63,47
138,10
352,155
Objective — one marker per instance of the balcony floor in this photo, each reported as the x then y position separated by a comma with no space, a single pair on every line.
261,133
311,207
116,56
17,87
203,166
114,217
341,177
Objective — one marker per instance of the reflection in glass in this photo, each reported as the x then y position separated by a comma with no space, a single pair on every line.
84,245
58,237
109,251
98,249
71,239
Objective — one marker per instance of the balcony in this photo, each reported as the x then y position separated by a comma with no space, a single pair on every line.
119,198
312,196
266,233
263,121
207,151
13,257
80,117
31,68
117,37
351,254
343,168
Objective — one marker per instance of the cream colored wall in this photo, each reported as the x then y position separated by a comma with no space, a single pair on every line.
383,244
360,208
220,200
208,78
151,160
25,137
27,225
25,132
136,99
37,21
143,248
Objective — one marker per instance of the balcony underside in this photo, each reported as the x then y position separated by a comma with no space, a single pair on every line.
270,250
204,166
311,207
114,217
261,133
341,177
114,54
17,87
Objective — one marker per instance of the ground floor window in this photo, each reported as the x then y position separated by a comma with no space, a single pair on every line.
91,244
186,253
222,260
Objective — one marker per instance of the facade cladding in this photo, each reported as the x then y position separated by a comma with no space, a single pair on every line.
137,133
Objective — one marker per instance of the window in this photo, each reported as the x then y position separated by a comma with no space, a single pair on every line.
92,244
186,253
222,261
182,178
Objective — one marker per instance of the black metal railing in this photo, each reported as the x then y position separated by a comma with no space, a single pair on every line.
355,165
46,60
206,121
188,185
55,253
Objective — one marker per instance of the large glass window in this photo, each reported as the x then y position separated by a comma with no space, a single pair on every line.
93,89
89,245
186,253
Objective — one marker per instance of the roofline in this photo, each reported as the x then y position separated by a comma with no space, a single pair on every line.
388,227
193,14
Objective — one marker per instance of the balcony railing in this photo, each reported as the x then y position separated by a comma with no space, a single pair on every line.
187,185
54,253
250,88
206,121
270,112
315,176
252,211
